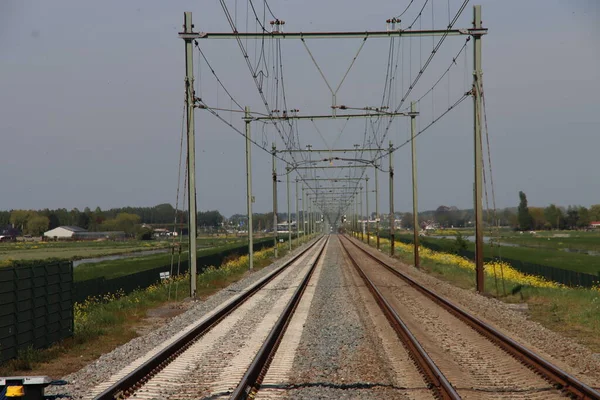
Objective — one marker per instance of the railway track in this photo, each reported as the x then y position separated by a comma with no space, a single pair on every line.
232,333
458,354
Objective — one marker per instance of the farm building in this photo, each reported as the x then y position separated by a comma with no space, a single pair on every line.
112,235
63,232
595,224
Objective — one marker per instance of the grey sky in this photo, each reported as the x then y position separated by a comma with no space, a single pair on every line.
91,97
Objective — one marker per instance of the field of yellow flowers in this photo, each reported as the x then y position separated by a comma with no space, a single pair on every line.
500,269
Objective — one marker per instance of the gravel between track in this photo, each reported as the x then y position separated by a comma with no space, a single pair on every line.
83,380
340,354
563,352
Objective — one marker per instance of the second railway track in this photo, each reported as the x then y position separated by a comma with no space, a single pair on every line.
208,359
460,355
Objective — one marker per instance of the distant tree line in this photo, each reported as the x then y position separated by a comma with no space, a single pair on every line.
126,219
129,219
522,217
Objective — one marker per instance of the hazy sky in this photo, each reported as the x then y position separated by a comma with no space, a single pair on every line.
91,97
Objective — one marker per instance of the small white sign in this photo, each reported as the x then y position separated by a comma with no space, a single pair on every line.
164,275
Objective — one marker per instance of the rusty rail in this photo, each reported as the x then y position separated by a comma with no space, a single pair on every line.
425,364
560,378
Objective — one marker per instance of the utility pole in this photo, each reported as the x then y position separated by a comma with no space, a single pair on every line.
413,132
289,214
367,201
311,216
376,205
303,212
309,208
274,151
392,217
297,216
249,197
478,156
191,144
360,215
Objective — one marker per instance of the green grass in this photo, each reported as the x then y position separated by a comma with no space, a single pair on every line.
544,256
73,250
65,250
115,268
575,240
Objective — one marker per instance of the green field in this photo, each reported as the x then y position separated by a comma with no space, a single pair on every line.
115,268
549,254
555,240
37,250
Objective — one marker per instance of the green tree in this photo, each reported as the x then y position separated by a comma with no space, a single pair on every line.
572,217
538,219
4,218
525,220
554,216
407,221
19,218
125,222
37,225
594,212
584,218
210,219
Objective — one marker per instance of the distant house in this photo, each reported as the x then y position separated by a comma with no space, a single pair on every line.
63,232
595,224
112,235
8,234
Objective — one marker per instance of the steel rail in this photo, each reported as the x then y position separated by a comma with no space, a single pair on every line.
257,370
562,379
127,385
424,362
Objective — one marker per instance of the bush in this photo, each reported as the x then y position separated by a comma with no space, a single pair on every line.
460,244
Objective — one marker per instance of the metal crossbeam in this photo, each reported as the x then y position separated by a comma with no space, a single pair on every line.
333,179
340,116
335,166
328,151
332,35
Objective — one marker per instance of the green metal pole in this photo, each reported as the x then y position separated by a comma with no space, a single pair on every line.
413,132
377,206
392,217
191,144
478,156
367,201
249,197
303,212
297,215
289,214
273,152
361,226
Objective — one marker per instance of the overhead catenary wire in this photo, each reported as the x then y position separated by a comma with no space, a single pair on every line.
288,129
216,114
427,63
454,105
